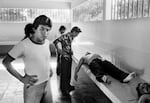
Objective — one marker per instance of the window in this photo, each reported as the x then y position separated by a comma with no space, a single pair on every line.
125,9
91,10
20,15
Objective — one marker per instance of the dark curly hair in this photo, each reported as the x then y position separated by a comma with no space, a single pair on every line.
42,20
28,30
62,27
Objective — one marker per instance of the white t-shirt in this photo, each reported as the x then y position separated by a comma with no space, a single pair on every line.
36,58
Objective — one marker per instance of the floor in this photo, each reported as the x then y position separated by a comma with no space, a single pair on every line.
11,89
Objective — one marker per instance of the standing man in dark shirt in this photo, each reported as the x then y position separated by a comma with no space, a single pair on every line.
62,30
63,45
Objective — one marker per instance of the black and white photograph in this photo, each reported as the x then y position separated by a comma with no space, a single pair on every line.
74,51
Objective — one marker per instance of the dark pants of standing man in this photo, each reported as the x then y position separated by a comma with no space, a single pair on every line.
58,69
107,68
66,63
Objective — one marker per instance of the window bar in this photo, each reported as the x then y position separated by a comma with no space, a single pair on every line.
148,7
6,14
128,9
137,8
145,7
136,12
124,9
3,20
120,4
117,8
112,8
120,9
3,15
142,8
132,9
115,4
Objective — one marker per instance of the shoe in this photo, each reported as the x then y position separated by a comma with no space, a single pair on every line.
129,77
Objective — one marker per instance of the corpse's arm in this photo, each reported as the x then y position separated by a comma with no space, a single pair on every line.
81,61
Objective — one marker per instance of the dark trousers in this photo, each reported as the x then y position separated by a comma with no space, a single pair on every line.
58,69
66,63
99,67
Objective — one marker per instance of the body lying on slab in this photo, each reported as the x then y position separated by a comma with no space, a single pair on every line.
101,68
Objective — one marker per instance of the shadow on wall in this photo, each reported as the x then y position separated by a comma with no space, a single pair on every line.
130,60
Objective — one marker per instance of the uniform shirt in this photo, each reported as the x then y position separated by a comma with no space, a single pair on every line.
65,41
36,58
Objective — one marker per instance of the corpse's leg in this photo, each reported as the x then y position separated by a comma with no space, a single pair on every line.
113,71
65,75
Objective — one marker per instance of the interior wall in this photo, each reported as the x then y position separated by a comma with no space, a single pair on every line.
124,42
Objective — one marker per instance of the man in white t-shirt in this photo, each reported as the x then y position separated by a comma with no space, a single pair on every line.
101,68
35,52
